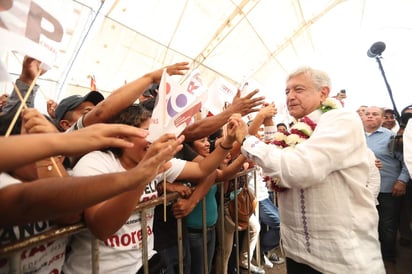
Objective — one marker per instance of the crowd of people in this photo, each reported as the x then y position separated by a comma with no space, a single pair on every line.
333,187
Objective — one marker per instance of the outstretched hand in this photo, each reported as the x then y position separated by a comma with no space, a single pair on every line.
247,104
178,68
231,128
33,121
164,148
241,129
99,136
30,69
175,69
268,111
156,159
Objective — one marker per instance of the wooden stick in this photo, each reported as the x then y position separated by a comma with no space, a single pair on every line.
164,197
23,104
19,93
56,167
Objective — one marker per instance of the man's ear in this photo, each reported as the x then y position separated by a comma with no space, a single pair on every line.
64,124
324,93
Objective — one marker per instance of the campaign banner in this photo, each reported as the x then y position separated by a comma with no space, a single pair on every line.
31,28
176,105
220,94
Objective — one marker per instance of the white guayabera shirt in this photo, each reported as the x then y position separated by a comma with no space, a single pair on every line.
407,146
329,218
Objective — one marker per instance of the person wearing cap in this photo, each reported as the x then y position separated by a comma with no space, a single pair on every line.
70,109
389,120
18,203
76,112
114,218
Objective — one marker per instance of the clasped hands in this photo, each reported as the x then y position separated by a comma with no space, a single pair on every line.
241,129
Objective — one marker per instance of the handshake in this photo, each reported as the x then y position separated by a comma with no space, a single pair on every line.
237,128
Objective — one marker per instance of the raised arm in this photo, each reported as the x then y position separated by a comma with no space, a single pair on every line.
209,125
39,146
264,116
30,68
105,218
195,171
128,94
54,197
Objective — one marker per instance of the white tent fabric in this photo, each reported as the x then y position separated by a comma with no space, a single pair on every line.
236,40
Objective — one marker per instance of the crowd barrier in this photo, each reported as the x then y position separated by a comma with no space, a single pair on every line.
13,250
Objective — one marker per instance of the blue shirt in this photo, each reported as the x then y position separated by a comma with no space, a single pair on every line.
194,219
393,166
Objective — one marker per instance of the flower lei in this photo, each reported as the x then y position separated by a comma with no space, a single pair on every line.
299,132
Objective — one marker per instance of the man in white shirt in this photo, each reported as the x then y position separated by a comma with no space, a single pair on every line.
329,220
407,140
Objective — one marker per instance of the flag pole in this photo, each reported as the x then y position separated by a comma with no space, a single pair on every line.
164,174
24,105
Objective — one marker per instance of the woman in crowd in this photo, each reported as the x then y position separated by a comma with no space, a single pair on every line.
113,221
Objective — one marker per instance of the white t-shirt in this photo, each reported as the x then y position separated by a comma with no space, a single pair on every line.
44,258
262,191
407,146
121,252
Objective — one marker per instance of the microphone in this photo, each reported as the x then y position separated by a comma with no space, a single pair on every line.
376,49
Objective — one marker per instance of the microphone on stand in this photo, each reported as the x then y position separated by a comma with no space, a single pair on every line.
376,49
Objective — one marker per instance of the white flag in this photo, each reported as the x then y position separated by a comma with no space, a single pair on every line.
176,105
31,28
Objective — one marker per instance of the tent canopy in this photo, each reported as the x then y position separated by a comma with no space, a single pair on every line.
236,40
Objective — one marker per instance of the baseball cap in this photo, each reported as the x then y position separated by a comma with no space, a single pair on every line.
72,102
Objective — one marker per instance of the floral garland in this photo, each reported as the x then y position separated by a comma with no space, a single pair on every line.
299,132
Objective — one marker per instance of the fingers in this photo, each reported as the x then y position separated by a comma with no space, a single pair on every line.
51,108
111,130
164,167
34,122
178,68
181,208
257,101
251,94
238,93
235,116
104,135
115,142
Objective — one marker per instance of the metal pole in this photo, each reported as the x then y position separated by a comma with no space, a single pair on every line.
395,110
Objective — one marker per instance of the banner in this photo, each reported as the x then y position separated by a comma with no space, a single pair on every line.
29,28
220,94
176,105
